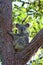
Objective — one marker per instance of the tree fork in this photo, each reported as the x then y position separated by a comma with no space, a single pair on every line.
6,47
31,49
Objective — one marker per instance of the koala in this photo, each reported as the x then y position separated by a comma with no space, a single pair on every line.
20,40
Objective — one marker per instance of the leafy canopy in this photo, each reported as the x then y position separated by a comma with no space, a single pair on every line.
28,11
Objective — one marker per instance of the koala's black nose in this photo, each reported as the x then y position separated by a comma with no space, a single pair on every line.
21,29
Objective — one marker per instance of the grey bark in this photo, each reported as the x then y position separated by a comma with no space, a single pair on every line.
6,50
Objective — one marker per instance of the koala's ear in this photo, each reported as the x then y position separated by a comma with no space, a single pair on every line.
17,25
27,24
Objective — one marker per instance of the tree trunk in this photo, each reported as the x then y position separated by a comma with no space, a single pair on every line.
6,51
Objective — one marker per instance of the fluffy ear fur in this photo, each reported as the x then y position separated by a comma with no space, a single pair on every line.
17,25
27,24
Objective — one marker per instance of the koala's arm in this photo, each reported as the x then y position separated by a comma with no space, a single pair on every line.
14,36
11,34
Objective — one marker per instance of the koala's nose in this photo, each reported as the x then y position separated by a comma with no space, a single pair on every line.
21,29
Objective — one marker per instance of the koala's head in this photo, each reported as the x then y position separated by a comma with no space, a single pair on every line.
22,28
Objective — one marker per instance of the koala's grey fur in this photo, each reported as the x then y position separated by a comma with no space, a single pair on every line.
20,40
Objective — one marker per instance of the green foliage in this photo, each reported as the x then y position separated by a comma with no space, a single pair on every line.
31,13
